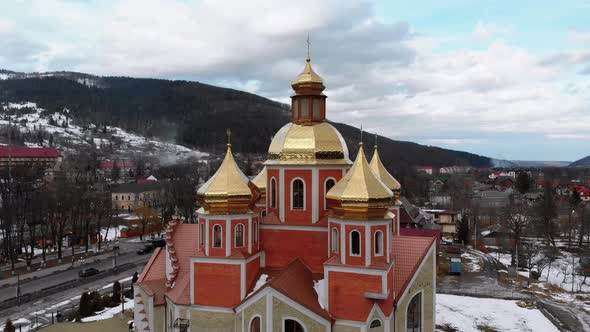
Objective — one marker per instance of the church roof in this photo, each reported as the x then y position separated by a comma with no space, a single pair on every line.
228,191
379,169
308,80
408,254
260,181
360,194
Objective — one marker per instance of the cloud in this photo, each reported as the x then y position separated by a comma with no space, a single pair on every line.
385,75
568,136
488,30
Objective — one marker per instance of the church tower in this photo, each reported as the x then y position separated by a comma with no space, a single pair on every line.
305,159
228,258
381,172
359,275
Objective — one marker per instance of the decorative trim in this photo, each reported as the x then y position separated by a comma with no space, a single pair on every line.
207,236
192,282
315,196
268,311
282,194
247,328
353,222
368,251
250,236
300,308
211,309
242,281
294,228
228,240
421,292
342,244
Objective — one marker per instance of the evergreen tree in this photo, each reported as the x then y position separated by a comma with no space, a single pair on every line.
85,309
8,326
50,139
463,229
523,182
116,292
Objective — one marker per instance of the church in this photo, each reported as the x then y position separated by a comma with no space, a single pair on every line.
312,243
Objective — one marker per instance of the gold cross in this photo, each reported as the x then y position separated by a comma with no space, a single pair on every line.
228,132
361,133
308,44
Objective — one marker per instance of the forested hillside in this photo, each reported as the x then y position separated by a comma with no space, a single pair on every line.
193,114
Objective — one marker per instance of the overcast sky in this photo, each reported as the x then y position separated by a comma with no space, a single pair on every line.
506,79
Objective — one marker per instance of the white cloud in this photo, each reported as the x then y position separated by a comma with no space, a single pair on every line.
383,75
488,30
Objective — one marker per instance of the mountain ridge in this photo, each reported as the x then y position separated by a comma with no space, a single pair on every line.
193,114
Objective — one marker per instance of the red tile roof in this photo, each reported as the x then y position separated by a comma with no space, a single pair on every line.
408,253
26,152
155,267
186,242
296,282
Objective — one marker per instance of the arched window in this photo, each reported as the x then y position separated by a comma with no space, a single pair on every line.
291,325
329,184
273,193
297,195
334,240
255,324
255,233
239,235
202,233
217,236
375,323
355,243
378,243
414,315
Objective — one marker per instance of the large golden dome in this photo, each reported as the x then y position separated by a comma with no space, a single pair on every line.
308,144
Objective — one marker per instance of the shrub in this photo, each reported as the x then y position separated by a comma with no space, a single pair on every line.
8,327
85,309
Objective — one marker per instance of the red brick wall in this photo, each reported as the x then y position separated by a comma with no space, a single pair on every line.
347,294
252,269
281,247
217,251
217,284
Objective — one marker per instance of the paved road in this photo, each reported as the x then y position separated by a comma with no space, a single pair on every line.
128,248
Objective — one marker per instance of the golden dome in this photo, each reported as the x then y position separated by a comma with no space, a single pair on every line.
228,191
260,182
360,194
383,175
320,143
308,80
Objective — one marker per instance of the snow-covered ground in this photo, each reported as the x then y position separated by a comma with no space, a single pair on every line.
472,263
110,312
74,135
468,314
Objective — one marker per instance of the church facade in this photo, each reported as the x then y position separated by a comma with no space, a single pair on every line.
311,243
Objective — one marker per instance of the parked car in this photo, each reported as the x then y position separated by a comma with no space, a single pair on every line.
87,272
159,243
148,248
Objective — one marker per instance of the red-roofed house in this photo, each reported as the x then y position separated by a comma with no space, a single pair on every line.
310,244
23,155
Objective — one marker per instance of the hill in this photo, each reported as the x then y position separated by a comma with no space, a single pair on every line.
584,162
190,114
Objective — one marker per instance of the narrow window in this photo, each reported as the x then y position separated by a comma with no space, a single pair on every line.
273,193
414,316
298,194
255,325
329,184
378,243
304,108
375,323
255,231
316,109
334,240
217,236
239,235
291,325
355,243
202,233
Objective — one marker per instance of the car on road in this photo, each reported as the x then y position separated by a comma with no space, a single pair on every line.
159,243
148,248
87,272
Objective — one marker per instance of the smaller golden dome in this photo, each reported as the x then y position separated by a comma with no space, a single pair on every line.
308,80
360,194
260,182
383,175
228,191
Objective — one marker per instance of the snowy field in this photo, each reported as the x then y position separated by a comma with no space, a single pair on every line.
471,314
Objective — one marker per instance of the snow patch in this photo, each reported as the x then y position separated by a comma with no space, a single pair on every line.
320,288
259,283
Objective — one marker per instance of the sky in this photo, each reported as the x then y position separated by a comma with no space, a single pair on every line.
504,79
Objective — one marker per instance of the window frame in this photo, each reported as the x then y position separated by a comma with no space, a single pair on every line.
420,307
303,198
254,232
220,236
240,225
360,246
377,244
326,190
273,193
335,248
